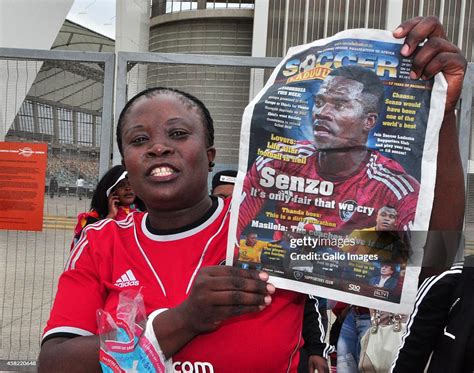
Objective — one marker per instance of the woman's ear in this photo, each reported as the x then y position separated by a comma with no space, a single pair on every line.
211,155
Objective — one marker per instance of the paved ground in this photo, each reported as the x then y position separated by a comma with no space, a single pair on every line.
30,264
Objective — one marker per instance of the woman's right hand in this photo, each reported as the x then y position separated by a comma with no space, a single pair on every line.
221,292
113,203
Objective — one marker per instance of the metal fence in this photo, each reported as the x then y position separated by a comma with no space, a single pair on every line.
223,83
63,99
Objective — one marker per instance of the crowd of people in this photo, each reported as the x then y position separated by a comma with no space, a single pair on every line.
67,170
227,318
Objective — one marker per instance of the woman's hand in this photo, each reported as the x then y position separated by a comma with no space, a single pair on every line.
436,55
218,293
113,205
221,292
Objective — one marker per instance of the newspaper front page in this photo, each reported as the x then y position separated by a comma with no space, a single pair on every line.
336,172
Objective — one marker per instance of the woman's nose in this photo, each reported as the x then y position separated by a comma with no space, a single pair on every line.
159,149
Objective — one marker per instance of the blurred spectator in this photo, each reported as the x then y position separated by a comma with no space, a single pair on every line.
440,330
53,187
223,183
80,187
113,198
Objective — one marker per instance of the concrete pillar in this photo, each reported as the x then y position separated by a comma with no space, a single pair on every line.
259,45
394,14
132,35
55,140
75,128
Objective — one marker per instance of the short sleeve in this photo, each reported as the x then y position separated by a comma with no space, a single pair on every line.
78,296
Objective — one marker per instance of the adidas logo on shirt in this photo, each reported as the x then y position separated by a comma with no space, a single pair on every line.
127,279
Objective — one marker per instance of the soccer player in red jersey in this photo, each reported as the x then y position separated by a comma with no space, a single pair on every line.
351,182
221,318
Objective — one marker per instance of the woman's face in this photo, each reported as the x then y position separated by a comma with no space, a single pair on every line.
124,192
165,153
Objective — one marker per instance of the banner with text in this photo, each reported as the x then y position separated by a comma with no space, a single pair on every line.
22,178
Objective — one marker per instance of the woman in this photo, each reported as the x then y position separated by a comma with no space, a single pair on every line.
173,252
222,318
113,198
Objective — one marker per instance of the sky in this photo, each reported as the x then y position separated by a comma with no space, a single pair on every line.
97,15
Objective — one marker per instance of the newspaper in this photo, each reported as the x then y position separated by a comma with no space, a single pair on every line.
336,172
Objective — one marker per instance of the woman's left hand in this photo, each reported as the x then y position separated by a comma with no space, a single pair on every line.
438,54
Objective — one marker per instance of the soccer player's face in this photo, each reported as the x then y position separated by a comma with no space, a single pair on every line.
251,239
339,120
165,152
386,220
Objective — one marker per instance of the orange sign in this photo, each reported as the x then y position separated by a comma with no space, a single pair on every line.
22,176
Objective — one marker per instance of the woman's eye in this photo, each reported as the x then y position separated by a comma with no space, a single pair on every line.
139,140
178,134
340,106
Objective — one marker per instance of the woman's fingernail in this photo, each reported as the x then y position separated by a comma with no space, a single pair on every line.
413,75
267,300
405,49
263,276
270,288
398,30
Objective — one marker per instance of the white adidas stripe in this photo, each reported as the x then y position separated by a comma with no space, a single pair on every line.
393,181
397,178
386,182
130,275
126,277
81,244
322,335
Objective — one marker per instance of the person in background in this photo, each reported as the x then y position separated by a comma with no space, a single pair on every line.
315,352
223,183
53,187
440,331
80,187
113,198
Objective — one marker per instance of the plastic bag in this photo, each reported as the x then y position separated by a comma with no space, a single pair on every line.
123,345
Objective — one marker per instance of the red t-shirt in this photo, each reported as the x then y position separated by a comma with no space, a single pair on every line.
112,256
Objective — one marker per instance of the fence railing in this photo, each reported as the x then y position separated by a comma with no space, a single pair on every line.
64,99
